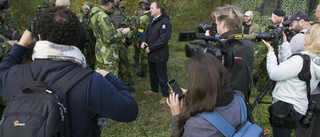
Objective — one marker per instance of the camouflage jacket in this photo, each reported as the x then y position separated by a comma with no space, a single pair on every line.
108,39
144,21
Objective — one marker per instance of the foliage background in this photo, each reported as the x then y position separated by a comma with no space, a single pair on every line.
154,120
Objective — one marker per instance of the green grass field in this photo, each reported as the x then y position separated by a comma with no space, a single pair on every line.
154,120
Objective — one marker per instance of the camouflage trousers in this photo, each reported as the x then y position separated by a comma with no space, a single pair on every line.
137,53
143,61
125,73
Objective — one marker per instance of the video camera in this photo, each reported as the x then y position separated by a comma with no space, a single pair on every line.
221,48
275,36
33,23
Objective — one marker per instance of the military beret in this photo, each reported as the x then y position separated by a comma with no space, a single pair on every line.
279,12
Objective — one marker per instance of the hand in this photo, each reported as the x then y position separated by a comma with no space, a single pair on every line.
174,103
102,72
143,45
207,33
119,29
125,30
27,39
147,50
269,47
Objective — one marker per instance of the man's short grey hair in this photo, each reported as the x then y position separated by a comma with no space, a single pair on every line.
231,15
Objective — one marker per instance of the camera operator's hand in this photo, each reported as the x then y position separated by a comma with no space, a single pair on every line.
27,39
284,37
207,33
174,103
268,45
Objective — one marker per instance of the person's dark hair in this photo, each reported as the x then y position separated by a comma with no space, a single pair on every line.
207,78
159,5
59,25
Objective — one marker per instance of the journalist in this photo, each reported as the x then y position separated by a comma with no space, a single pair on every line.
99,95
229,23
207,78
299,23
290,93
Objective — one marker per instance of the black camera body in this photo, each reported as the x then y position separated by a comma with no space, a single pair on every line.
275,36
313,110
209,44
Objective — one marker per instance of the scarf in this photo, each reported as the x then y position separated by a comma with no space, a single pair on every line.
59,52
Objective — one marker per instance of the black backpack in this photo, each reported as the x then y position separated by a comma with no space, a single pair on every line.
40,110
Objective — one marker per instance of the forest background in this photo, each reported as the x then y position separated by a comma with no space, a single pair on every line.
154,120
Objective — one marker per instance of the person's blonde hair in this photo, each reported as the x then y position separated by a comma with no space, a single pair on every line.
229,14
315,39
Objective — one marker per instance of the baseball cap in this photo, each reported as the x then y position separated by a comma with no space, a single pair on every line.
248,13
279,12
297,16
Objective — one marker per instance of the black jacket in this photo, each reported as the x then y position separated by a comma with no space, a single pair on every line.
157,36
241,70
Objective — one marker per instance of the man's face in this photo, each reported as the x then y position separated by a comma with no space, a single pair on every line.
116,3
276,19
295,26
85,10
247,19
154,10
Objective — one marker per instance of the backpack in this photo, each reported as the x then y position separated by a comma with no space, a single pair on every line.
247,129
39,110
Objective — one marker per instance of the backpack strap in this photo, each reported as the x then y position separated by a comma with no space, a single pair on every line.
305,74
222,125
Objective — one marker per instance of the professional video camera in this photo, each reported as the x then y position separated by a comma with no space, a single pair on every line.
275,36
221,48
313,110
33,23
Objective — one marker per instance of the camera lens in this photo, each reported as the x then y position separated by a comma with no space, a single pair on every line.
305,121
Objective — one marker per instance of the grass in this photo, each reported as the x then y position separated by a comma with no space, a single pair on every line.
154,120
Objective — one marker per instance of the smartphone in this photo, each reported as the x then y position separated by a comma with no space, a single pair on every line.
176,88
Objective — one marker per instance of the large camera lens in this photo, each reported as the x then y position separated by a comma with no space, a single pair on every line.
203,27
264,35
306,119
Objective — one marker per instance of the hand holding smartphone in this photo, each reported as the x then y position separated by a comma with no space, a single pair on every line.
176,88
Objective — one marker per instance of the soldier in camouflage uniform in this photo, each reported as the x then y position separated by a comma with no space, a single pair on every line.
108,37
8,32
137,43
89,46
121,19
143,24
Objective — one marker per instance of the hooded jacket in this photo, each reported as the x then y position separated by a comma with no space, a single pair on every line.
289,88
93,97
